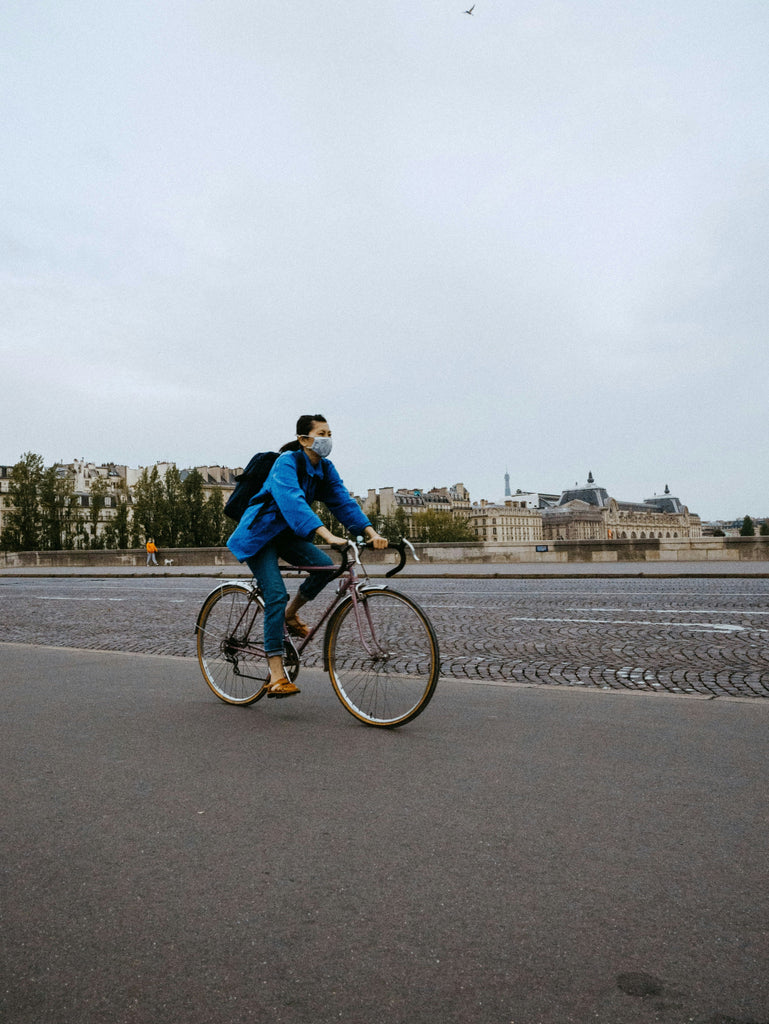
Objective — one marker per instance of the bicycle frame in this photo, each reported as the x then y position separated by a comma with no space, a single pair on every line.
349,584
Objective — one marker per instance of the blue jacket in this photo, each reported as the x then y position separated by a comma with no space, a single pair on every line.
284,503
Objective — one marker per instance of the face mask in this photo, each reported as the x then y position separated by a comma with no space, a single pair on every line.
322,446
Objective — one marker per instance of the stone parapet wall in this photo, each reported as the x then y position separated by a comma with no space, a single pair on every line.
129,557
716,549
706,549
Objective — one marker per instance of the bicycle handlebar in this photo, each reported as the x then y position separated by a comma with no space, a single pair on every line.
401,548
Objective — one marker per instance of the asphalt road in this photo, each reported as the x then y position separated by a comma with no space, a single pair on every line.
679,635
516,855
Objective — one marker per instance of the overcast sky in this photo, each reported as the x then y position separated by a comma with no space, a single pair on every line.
532,239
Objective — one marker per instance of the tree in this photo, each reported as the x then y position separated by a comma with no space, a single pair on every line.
441,527
148,507
174,511
764,531
747,529
194,529
98,495
60,519
117,531
216,521
50,511
393,526
23,521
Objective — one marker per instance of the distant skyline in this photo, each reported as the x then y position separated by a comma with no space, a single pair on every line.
495,496
533,239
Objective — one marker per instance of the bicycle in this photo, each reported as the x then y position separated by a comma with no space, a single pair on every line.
379,646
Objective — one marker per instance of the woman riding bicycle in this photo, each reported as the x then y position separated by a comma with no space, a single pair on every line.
279,523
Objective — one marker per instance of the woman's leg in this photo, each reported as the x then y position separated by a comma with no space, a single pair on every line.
303,552
264,566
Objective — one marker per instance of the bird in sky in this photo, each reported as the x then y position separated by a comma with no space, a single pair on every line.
471,10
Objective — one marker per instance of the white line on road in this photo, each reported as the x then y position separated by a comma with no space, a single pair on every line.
710,627
675,611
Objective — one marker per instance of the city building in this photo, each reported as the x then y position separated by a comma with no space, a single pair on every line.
108,481
733,527
578,513
589,513
511,521
115,484
81,476
388,501
215,478
532,499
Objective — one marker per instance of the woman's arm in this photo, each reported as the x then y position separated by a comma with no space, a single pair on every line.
337,499
329,538
369,533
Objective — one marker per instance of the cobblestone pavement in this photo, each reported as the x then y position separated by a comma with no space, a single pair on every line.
696,636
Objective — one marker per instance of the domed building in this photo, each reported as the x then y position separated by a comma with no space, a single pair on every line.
589,513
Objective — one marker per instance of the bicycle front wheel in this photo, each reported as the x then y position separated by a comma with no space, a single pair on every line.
228,634
382,658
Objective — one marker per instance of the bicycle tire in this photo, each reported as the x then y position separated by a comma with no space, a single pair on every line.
226,626
388,678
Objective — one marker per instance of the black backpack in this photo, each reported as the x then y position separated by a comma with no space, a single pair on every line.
249,483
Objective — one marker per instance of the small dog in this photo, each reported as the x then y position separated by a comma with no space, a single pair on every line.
168,561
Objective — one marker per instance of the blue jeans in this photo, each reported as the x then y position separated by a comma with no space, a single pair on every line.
264,566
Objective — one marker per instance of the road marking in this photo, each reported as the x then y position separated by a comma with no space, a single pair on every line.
710,627
700,627
675,611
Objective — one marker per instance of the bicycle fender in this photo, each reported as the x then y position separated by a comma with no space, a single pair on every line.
247,584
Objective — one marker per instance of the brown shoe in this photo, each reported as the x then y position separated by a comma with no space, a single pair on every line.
296,627
282,688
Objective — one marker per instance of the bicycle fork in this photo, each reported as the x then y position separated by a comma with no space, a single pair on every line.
368,638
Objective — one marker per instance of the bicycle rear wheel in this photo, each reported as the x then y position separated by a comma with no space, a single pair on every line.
382,658
228,642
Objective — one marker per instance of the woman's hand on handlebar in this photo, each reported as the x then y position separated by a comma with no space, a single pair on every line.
330,538
374,539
